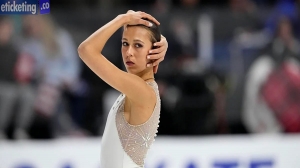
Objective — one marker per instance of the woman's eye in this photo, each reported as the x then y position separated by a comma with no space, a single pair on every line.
124,43
138,45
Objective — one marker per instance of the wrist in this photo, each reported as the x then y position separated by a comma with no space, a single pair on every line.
124,18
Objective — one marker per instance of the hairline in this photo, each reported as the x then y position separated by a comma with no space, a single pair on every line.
145,27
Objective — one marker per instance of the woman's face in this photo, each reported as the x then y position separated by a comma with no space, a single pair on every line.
135,48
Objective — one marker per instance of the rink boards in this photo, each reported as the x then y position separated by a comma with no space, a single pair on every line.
269,151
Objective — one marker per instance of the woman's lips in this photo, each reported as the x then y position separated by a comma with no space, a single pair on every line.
129,63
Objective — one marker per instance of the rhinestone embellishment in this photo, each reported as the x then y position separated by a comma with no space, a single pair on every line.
137,139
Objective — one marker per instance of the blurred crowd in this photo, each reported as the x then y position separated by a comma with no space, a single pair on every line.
232,67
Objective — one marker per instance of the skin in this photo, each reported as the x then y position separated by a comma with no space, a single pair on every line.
140,97
157,55
135,47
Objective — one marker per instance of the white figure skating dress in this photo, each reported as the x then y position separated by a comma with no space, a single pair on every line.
124,145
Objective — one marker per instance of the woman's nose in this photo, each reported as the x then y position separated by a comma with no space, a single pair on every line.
129,51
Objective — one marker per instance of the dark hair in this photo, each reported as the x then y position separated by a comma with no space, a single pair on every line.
154,30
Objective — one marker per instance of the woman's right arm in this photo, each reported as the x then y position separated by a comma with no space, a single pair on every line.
90,52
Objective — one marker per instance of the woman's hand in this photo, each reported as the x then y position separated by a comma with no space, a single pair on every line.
158,55
135,18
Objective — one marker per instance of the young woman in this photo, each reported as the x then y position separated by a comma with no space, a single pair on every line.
133,120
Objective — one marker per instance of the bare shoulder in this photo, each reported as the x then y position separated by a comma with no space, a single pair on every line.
148,98
142,111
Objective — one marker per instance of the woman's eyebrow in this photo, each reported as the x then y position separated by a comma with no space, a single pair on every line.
137,40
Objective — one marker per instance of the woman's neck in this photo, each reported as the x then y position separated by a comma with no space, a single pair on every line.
146,75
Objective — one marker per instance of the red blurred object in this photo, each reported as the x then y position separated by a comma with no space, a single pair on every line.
24,68
281,92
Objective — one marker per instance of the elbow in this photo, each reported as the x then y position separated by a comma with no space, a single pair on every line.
82,50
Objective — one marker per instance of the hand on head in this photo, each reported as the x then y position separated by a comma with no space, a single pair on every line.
158,55
135,18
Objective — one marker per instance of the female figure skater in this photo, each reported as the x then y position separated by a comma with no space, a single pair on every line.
133,120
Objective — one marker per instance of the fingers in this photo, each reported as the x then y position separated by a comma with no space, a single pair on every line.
155,69
163,42
137,18
161,46
145,22
130,11
155,63
155,56
159,43
157,53
146,15
157,50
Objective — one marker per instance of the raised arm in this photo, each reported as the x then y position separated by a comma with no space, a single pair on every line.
90,52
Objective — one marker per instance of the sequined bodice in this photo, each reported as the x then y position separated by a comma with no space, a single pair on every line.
137,139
